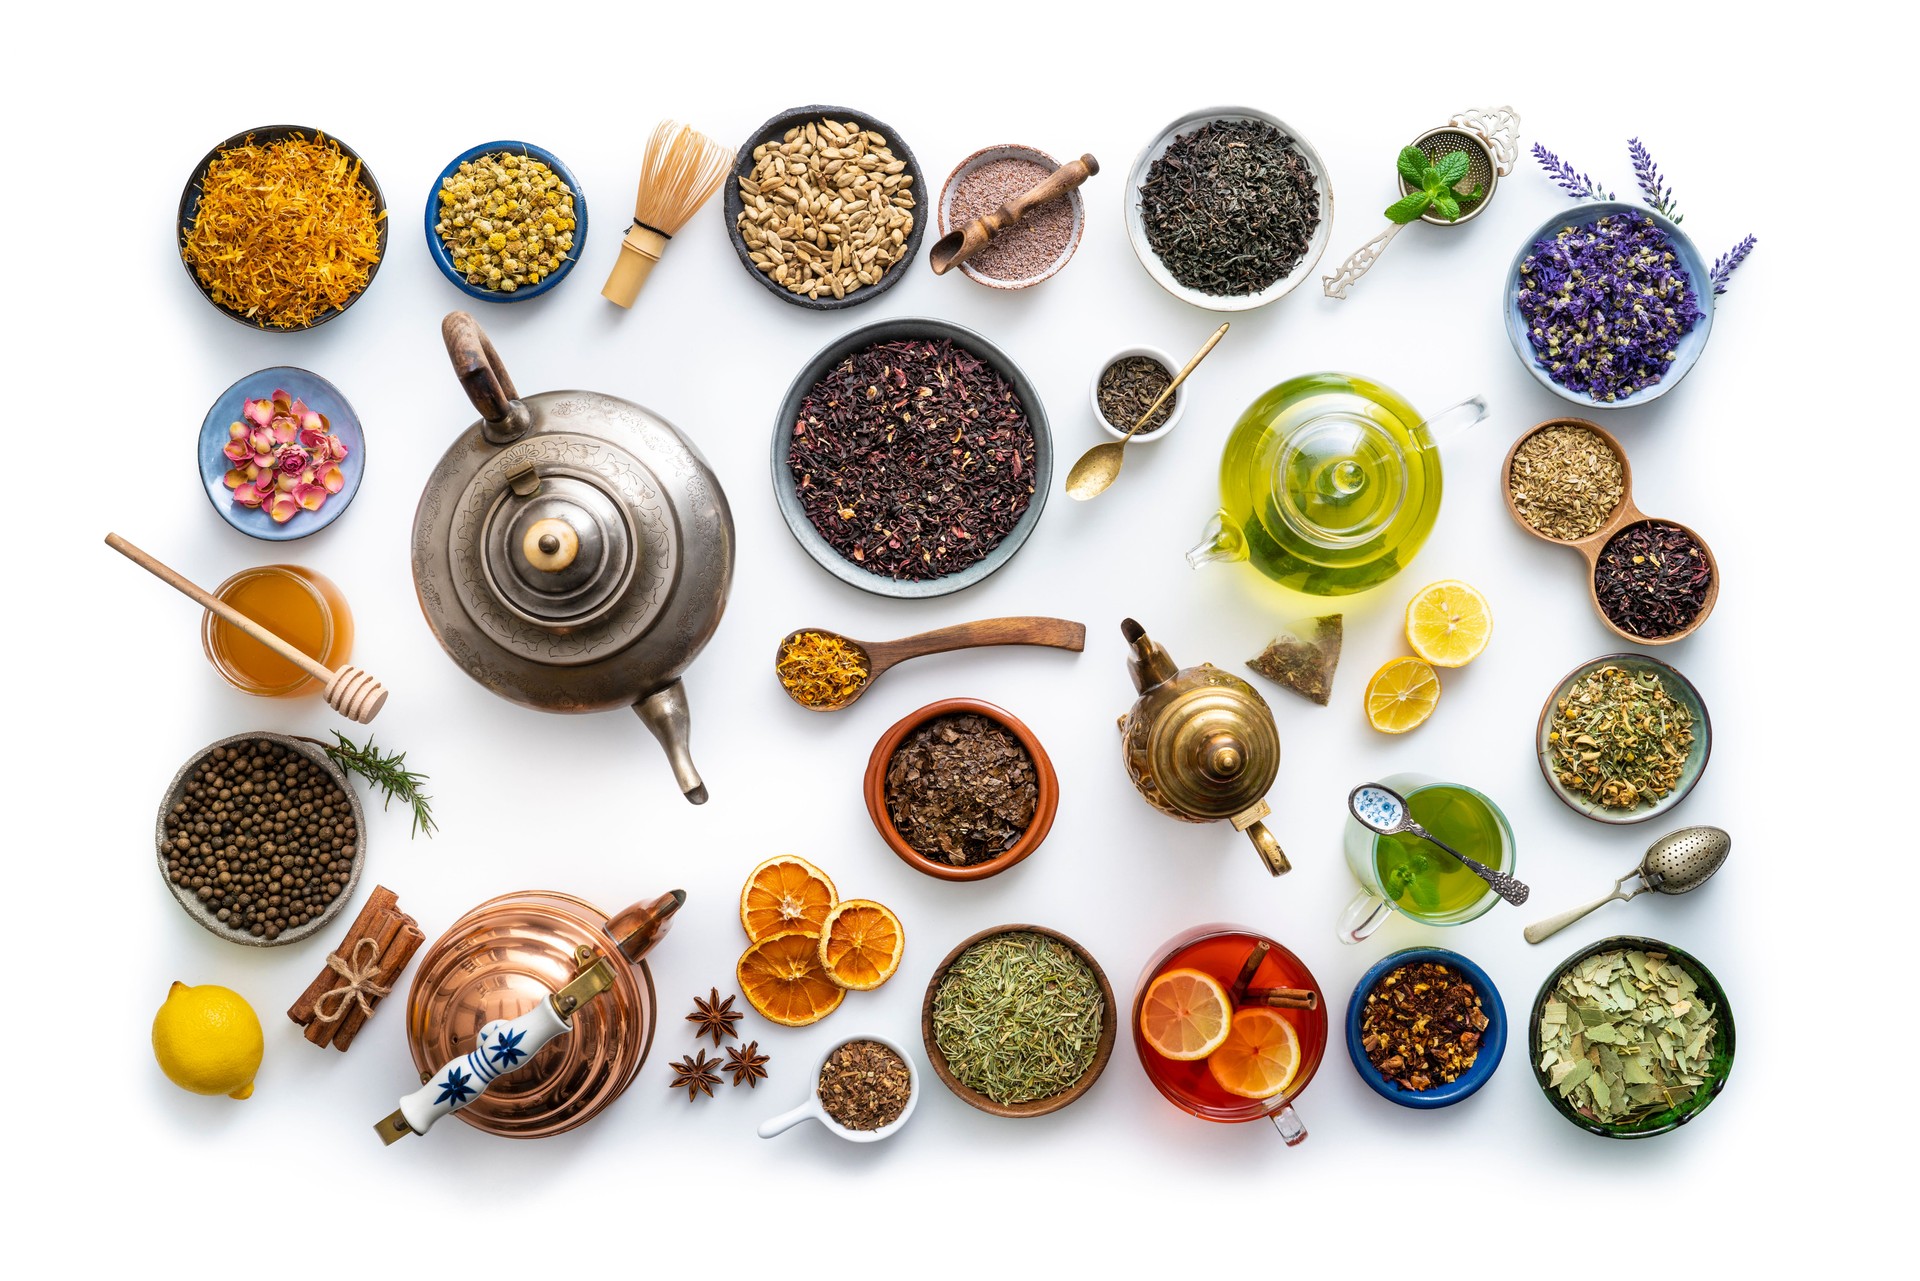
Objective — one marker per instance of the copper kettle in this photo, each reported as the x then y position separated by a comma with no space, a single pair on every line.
572,551
531,1015
1200,744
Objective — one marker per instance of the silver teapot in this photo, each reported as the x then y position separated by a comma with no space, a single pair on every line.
572,551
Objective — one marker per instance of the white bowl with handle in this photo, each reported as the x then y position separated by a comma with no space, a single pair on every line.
812,1110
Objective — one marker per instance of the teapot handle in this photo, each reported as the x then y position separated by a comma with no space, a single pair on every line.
503,415
503,1046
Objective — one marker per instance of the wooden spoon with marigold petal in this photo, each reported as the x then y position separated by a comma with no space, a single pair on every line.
1054,633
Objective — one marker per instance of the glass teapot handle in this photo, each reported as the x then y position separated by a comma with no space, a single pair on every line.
503,416
1453,421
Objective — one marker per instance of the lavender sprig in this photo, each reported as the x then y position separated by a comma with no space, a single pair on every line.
1725,265
1659,195
1575,184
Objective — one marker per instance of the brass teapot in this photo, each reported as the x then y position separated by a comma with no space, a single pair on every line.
1200,744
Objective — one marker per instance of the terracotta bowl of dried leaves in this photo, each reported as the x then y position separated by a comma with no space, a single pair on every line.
875,787
1719,1061
1103,1049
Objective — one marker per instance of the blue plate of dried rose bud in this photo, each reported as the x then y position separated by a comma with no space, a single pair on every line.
1492,1037
281,454
1608,304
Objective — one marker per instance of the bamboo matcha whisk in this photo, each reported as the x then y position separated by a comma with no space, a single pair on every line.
682,168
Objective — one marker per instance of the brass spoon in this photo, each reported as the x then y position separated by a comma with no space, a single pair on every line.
1056,633
1099,466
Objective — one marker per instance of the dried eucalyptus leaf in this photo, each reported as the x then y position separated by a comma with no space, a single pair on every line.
1625,1035
1304,657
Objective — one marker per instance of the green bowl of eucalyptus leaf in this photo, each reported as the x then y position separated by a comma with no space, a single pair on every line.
1665,1107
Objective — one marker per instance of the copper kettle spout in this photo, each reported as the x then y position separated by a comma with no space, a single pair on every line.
665,712
639,928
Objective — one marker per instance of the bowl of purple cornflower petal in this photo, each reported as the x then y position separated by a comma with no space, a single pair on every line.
1608,304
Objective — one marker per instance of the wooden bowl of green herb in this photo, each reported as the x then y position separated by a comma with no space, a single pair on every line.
1623,738
1631,1038
1018,1020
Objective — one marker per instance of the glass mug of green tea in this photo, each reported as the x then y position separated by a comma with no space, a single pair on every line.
1410,875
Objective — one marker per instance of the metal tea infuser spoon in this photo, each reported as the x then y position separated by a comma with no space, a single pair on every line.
1383,810
1677,862
1491,140
1099,466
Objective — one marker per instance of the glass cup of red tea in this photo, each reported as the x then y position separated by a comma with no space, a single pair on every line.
1224,952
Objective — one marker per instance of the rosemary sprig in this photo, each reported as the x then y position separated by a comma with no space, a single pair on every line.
388,772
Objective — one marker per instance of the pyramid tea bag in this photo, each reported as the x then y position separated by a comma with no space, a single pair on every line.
1303,658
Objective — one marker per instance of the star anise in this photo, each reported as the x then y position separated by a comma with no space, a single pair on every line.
714,1016
745,1061
697,1074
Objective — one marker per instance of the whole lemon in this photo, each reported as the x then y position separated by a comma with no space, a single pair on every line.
207,1040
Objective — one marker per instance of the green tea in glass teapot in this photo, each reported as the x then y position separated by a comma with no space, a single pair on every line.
1329,484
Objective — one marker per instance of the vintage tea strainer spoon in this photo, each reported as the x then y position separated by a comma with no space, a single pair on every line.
1677,862
1383,810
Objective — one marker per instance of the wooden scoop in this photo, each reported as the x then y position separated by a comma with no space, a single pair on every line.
1056,633
963,243
349,691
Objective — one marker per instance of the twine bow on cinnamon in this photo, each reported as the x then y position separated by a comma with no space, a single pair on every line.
361,982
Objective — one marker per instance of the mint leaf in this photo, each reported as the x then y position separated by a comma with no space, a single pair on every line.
1408,208
1410,164
1446,206
1432,179
1453,167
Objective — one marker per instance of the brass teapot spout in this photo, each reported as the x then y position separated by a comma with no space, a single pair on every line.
1200,744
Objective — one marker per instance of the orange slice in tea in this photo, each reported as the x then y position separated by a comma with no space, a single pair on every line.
782,978
1185,1014
1259,1057
861,945
1402,695
785,893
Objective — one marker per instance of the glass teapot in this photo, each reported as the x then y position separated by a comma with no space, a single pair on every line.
1329,484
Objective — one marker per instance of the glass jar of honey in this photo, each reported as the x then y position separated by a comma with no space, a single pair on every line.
300,605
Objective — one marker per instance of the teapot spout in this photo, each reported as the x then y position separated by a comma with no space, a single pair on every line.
1149,664
1221,540
665,713
643,925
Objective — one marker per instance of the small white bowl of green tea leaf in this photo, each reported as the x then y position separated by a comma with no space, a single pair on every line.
815,1110
1132,387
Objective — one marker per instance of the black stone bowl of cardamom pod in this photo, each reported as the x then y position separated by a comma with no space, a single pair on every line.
261,839
1033,474
787,272
1695,1071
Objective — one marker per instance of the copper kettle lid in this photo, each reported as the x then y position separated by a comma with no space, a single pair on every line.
511,952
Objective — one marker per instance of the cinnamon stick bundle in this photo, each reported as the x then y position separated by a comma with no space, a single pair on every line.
364,968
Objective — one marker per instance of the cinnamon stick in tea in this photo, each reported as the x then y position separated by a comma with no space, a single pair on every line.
1283,998
1255,958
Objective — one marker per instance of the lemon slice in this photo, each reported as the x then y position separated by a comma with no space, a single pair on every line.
1185,1014
1260,1056
1402,695
1449,623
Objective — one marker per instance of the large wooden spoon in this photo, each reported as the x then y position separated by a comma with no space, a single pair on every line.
1100,466
1056,633
349,691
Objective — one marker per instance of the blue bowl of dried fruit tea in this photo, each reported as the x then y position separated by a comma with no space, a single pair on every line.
1425,1028
506,221
1631,1037
281,454
1608,304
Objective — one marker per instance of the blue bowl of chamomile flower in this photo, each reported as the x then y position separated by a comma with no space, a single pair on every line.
550,210
1599,252
1374,986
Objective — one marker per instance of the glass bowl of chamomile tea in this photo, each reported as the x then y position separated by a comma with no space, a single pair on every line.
1410,876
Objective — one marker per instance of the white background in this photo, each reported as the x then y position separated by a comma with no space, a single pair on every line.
119,357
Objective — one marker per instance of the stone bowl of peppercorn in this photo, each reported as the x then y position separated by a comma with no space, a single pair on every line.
261,839
1425,1028
961,790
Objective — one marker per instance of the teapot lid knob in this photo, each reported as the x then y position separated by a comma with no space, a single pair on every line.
550,544
1223,757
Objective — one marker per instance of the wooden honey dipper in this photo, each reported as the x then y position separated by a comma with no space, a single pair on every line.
348,691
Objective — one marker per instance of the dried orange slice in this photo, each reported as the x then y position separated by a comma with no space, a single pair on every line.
1259,1057
782,978
785,893
1185,1014
861,944
1402,695
1448,623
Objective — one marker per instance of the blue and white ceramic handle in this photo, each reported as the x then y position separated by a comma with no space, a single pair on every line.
504,1046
